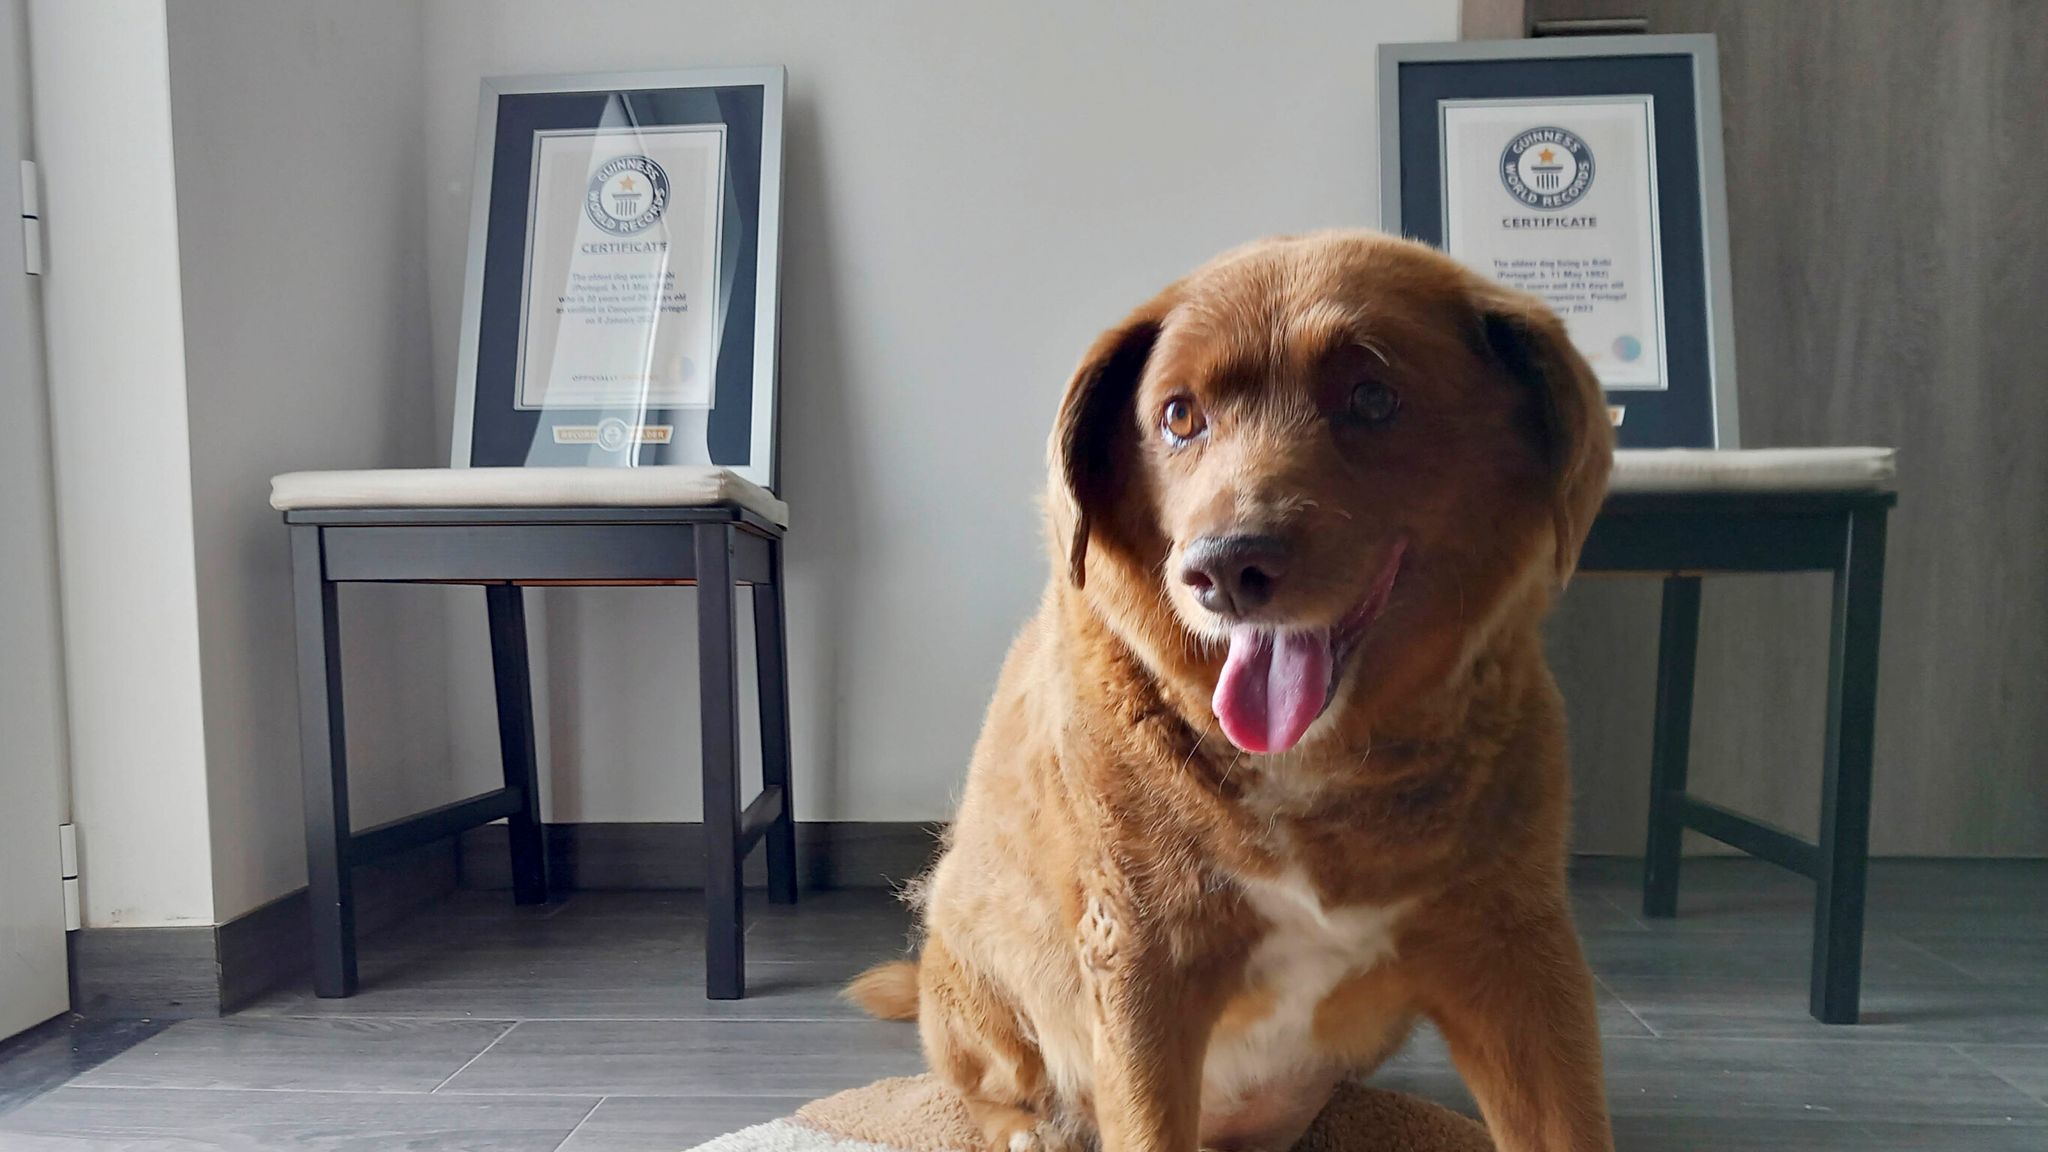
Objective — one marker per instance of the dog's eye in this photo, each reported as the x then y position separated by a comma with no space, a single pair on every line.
1181,421
1373,403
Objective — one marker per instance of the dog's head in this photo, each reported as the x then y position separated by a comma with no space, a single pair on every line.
1318,468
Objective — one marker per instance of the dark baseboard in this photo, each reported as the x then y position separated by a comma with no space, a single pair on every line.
271,945
671,856
132,973
174,973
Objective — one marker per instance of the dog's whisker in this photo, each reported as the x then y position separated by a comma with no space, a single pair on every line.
1192,752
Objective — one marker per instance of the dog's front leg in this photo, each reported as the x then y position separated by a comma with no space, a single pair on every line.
1517,1011
1151,1029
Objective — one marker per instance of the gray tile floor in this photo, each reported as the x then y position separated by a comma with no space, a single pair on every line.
583,1026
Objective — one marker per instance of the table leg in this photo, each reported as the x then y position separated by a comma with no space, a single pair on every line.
771,662
513,675
1677,654
718,689
1844,856
323,764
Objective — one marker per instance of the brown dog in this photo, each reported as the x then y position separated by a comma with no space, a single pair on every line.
1278,767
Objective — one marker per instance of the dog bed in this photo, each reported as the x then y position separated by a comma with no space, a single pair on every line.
918,1114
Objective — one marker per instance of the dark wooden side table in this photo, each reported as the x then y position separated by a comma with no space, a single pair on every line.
459,526
1788,511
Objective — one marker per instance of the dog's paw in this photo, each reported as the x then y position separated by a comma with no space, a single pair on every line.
1100,935
1023,1132
1040,1137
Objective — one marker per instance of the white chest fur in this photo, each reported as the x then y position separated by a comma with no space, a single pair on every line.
1307,950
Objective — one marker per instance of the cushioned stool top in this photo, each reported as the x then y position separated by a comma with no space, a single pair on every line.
1754,470
662,486
696,486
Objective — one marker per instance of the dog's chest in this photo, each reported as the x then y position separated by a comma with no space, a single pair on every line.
1308,949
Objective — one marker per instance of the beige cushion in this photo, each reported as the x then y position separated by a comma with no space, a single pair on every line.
660,486
1754,470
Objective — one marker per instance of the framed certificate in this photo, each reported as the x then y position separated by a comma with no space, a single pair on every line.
620,303
1587,171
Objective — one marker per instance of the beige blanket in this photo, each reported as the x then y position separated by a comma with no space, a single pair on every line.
918,1114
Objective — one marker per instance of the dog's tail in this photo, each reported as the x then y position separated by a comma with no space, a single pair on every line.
886,991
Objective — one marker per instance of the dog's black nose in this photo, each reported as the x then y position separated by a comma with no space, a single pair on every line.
1234,575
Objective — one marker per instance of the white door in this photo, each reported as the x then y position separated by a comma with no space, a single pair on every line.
32,979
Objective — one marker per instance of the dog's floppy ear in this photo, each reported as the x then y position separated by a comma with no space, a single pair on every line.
1095,431
1570,413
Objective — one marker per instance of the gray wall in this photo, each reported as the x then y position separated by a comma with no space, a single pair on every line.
1890,235
300,181
973,192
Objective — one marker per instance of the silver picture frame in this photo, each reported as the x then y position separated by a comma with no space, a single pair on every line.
1701,50
761,465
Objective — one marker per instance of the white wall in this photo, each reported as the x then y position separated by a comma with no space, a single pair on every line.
973,193
116,366
300,169
974,190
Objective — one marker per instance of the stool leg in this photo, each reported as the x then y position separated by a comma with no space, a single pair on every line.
718,691
771,663
507,607
1677,652
323,763
1845,786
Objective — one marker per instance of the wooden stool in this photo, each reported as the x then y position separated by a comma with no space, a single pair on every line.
504,528
1682,513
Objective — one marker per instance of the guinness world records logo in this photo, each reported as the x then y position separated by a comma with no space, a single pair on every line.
613,434
627,194
1546,168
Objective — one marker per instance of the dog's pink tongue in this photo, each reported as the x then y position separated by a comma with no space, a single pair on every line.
1272,688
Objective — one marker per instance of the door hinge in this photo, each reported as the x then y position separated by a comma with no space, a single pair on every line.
31,219
67,856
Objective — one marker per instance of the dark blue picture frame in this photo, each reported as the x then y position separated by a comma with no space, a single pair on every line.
491,430
1698,408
